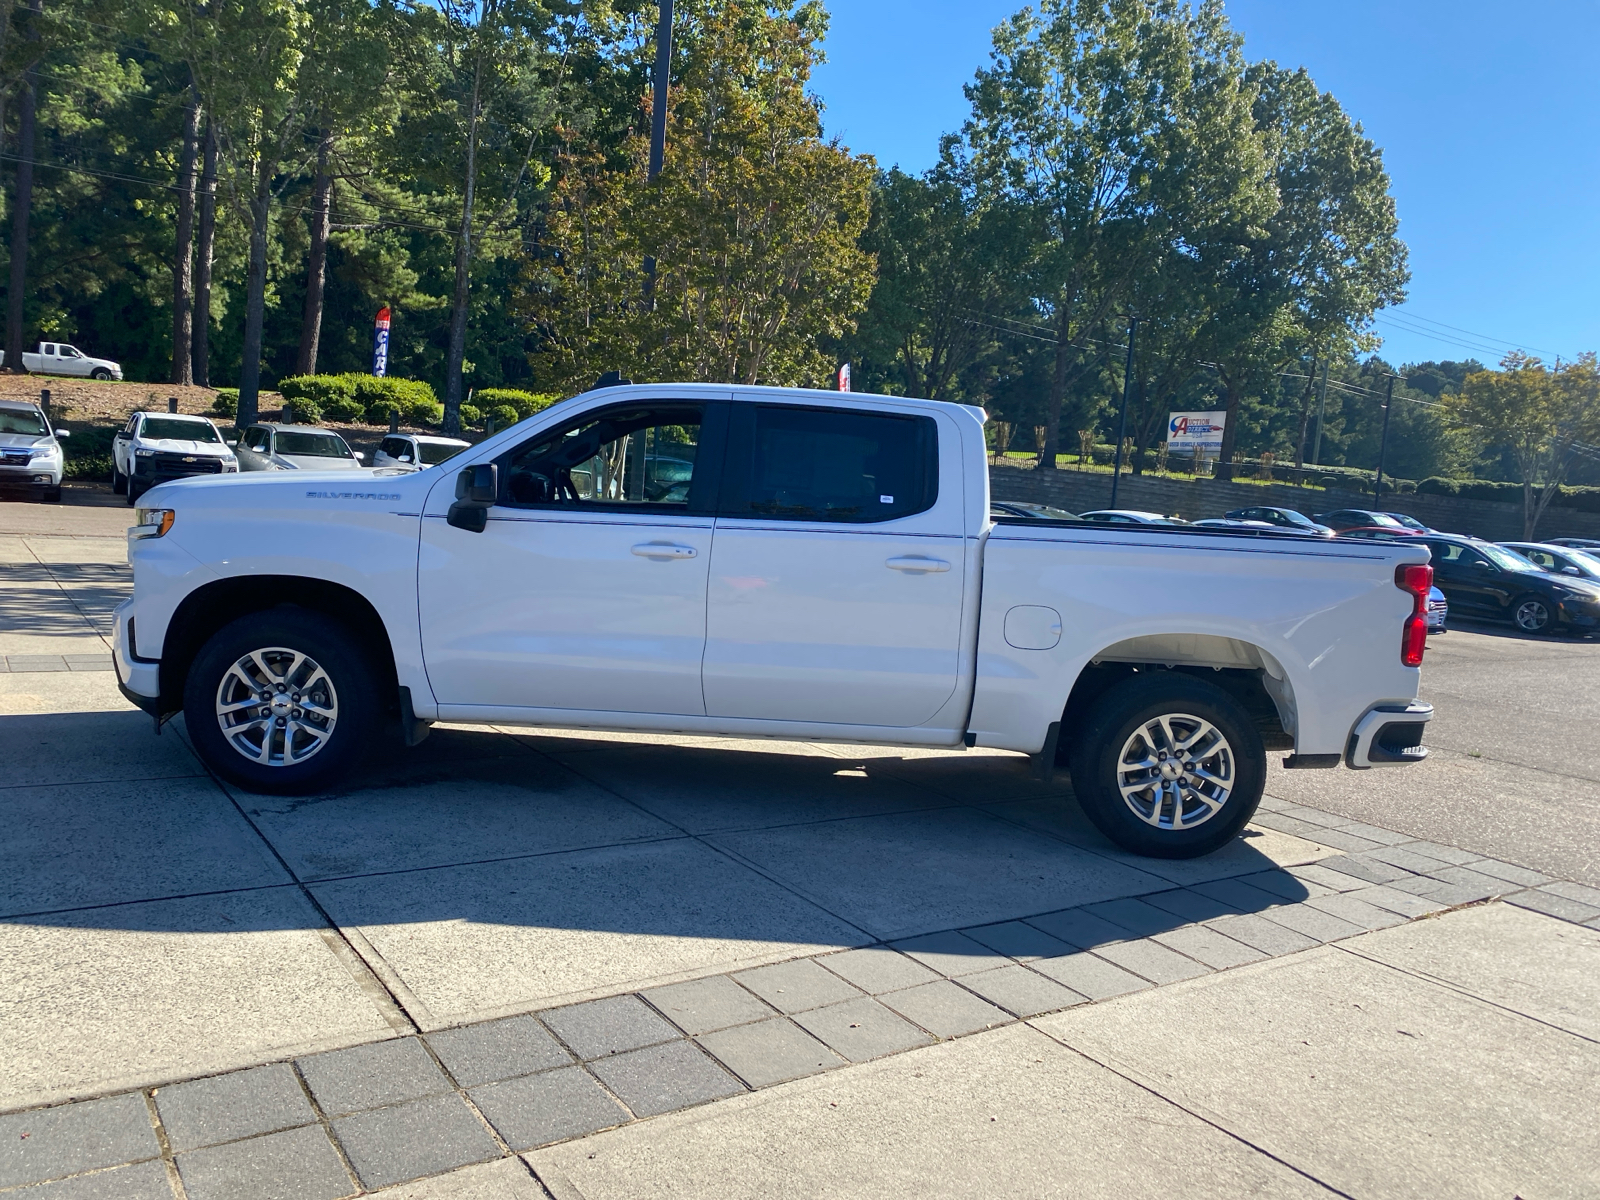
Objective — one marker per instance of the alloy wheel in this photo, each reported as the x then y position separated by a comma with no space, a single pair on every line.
276,706
1176,771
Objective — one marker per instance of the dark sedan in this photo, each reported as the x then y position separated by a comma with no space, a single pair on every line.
1030,511
1287,518
1575,543
1559,560
1359,518
1492,583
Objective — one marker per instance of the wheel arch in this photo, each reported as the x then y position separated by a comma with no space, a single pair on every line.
208,608
1246,671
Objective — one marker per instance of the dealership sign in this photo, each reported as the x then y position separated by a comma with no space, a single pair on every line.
1195,430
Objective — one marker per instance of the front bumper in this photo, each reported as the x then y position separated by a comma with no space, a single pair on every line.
138,678
40,473
151,471
1389,735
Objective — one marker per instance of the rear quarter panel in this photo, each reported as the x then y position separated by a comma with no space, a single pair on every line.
1327,612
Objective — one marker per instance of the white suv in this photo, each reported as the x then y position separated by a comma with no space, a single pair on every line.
416,450
155,447
30,455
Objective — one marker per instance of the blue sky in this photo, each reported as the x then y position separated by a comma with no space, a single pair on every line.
1487,115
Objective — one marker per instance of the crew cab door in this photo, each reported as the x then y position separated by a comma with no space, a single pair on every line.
586,590
837,575
1469,581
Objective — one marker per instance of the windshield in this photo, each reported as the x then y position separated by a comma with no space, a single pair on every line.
1586,561
433,452
173,429
1295,518
312,445
17,420
1508,560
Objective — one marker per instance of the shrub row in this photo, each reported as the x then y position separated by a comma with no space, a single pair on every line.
361,398
1582,499
506,405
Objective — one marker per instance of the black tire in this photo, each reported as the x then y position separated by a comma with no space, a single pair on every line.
134,490
1124,712
351,693
119,481
100,373
1533,614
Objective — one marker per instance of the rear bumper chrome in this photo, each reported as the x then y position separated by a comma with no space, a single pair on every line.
1389,735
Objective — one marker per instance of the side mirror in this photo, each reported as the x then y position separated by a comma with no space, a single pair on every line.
61,433
404,458
1571,571
477,488
361,455
1482,565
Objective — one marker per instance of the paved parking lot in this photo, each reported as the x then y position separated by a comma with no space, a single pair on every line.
501,940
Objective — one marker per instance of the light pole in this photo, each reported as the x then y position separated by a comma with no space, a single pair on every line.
1122,420
1322,416
658,122
1383,446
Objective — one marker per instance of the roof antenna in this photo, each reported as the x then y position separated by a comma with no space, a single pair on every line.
611,379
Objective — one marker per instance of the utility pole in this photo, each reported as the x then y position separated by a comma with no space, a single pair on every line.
1383,446
1122,420
1322,413
658,124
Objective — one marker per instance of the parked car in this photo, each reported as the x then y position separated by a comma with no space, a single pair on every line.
1378,533
58,358
854,585
1481,579
1357,518
1574,543
1287,517
30,451
1129,516
1410,522
1559,560
416,450
155,447
1035,512
277,447
1438,610
1236,523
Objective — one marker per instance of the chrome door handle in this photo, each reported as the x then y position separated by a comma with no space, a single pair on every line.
917,565
664,550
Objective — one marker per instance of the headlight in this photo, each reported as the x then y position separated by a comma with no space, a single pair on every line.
145,453
152,522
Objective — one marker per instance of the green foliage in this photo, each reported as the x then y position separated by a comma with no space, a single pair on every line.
503,415
524,404
353,397
470,415
1583,499
87,453
226,402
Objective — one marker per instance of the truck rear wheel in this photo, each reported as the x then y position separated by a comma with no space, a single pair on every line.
281,701
1169,766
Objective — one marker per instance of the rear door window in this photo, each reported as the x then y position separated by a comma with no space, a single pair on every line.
824,464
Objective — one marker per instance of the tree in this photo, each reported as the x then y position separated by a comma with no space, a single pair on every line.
1125,126
1540,414
754,223
488,65
949,264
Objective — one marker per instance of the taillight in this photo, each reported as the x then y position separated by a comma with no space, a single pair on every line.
1418,580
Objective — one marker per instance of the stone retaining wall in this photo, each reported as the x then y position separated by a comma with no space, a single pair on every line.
1079,491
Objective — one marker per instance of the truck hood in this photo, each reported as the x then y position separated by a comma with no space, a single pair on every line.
175,446
39,440
307,462
289,489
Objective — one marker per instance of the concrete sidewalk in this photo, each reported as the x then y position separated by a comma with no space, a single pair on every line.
1455,1057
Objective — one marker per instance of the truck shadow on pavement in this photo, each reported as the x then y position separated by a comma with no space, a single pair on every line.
546,865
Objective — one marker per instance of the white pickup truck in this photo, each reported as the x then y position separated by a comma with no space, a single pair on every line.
58,358
760,562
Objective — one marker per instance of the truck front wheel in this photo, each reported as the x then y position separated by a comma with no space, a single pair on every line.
281,701
1169,766
101,374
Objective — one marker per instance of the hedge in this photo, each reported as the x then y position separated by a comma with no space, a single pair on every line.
355,398
1581,499
494,401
